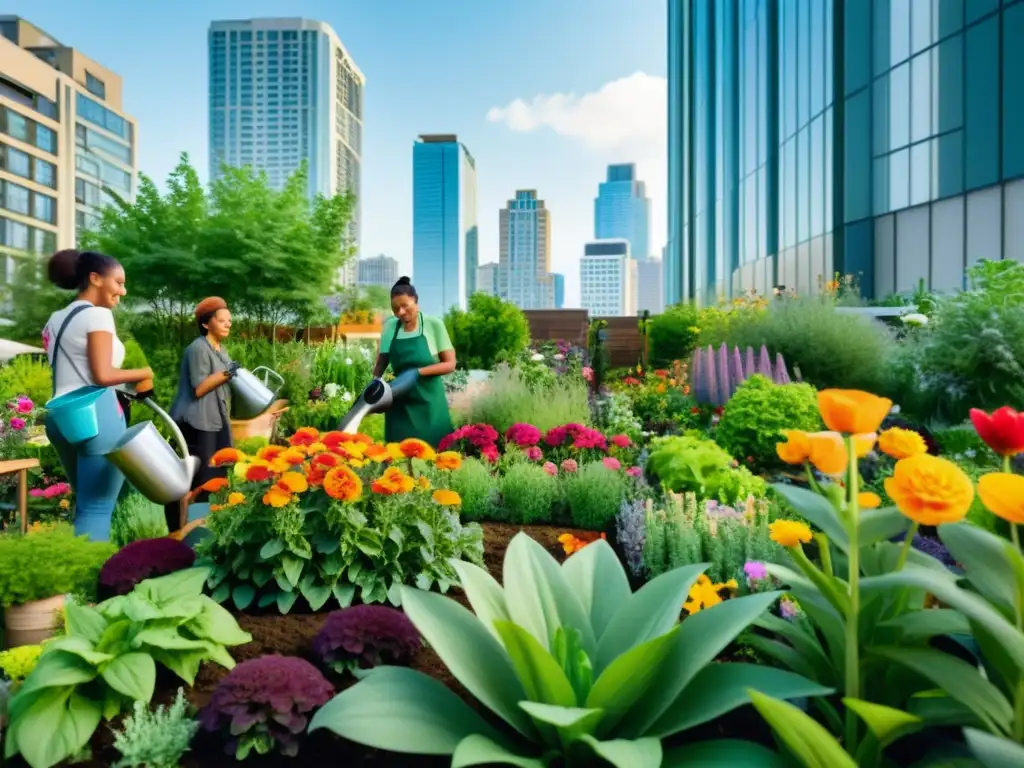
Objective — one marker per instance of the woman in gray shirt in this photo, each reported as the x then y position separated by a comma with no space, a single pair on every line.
202,406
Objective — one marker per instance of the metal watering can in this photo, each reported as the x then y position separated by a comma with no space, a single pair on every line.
150,464
252,395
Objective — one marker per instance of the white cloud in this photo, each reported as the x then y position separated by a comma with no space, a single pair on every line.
621,114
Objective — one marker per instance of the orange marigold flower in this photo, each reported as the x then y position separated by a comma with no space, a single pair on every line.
226,456
350,451
868,500
235,498
258,473
449,460
293,457
326,460
277,497
217,507
315,476
392,482
377,453
930,490
796,449
269,452
447,498
395,452
851,411
315,448
423,482
413,448
304,436
828,452
789,533
215,485
293,482
901,443
343,484
1003,496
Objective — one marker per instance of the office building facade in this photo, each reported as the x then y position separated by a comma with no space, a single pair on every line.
284,92
524,252
622,209
608,279
559,287
876,138
445,233
377,270
487,279
66,145
650,288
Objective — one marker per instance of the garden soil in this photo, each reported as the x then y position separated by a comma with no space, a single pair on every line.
292,635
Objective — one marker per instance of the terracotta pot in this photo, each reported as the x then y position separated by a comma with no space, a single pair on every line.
31,623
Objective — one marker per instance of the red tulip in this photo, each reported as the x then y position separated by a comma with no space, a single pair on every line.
1002,430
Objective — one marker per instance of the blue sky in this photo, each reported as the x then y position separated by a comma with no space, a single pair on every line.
544,93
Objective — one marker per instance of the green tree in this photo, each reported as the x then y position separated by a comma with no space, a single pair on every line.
32,299
489,329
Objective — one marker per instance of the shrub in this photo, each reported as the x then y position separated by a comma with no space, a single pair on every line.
47,563
24,375
594,494
143,560
488,330
755,416
17,663
136,518
529,494
508,398
366,636
672,335
155,738
691,464
478,488
264,705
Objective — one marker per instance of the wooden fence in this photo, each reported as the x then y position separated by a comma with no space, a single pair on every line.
623,333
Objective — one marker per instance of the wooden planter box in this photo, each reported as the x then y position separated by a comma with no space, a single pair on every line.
262,426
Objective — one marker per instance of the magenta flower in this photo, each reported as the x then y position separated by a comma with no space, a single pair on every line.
523,435
570,465
621,441
755,570
37,493
550,468
788,609
533,453
17,424
24,405
612,463
635,472
490,452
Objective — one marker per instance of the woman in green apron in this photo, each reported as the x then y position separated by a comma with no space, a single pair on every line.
412,341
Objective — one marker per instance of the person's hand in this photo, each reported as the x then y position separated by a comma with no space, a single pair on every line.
232,369
144,389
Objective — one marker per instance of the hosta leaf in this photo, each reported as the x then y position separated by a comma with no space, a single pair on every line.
599,580
541,676
484,594
992,751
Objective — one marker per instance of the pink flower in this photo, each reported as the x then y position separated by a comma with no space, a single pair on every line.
57,489
24,405
46,339
755,570
570,465
17,424
490,452
611,462
523,435
37,493
589,438
788,609
550,468
634,472
621,441
556,436
588,373
533,453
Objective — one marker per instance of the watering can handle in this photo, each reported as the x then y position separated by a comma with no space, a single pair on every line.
175,430
270,374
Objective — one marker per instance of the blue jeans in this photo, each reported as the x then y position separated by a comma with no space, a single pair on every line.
96,482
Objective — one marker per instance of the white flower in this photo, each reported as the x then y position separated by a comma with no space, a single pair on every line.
537,357
915,319
365,352
348,361
559,356
331,390
346,396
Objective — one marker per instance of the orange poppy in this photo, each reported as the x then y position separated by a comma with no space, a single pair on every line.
796,449
377,453
447,498
1003,496
226,456
828,452
852,412
215,485
343,484
258,473
869,500
277,497
293,482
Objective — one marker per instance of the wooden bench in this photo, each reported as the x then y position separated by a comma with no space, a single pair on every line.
21,466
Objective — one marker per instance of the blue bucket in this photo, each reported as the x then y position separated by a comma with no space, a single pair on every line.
74,414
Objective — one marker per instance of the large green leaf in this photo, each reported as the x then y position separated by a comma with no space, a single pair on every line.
885,723
216,624
55,668
623,753
926,624
724,753
701,638
720,688
986,561
816,509
651,612
570,722
541,676
133,675
484,593
538,597
166,589
877,525
470,652
402,710
479,750
956,677
804,642
80,647
599,580
810,743
992,751
84,621
57,725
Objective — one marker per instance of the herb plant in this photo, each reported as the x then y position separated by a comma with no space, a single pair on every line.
155,738
594,495
528,494
47,563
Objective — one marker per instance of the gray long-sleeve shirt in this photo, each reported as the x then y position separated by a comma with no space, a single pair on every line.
200,361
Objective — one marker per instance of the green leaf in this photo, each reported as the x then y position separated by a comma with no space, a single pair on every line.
55,726
133,675
810,743
875,525
343,593
623,753
185,664
887,724
720,688
541,676
292,567
805,643
402,710
700,639
316,595
570,722
85,621
470,652
985,560
723,753
168,639
992,751
55,669
538,597
243,595
484,594
599,580
479,750
81,647
956,677
216,624
929,623
166,589
651,612
285,601
816,509
271,549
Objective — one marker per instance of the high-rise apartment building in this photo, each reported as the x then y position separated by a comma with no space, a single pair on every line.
524,252
285,91
608,279
65,143
487,279
445,235
650,292
377,270
622,210
879,139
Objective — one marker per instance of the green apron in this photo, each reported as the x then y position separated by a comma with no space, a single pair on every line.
423,412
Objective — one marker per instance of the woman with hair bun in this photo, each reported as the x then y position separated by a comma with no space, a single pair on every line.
411,340
84,351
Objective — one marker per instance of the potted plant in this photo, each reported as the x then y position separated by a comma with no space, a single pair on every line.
37,570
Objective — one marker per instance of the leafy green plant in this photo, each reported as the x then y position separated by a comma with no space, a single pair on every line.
478,488
576,666
594,494
155,738
488,329
251,445
108,658
528,494
673,334
756,415
49,562
687,463
136,517
509,399
17,663
28,376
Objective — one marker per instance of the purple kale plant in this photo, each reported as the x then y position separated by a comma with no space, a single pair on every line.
366,636
265,704
930,546
141,560
631,534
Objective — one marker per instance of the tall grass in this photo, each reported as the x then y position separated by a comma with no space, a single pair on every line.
136,517
508,398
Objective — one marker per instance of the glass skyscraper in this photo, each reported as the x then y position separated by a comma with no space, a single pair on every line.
283,91
622,210
445,237
878,138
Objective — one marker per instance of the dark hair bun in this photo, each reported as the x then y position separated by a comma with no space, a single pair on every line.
403,280
62,269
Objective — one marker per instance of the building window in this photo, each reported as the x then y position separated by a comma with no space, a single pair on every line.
44,208
97,114
45,173
15,198
17,126
46,139
17,162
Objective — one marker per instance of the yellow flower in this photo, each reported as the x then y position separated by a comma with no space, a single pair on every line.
790,533
416,449
294,482
851,411
868,500
1003,496
277,497
930,490
235,498
447,498
828,452
796,449
423,482
64,504
704,593
901,443
450,460
395,452
864,444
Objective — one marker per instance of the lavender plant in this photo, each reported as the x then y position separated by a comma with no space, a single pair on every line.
631,533
716,375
